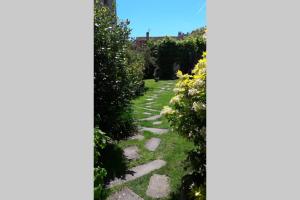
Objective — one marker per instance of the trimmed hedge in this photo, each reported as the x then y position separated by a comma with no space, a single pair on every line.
169,53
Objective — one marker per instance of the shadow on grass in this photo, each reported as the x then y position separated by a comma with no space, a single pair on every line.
115,163
178,195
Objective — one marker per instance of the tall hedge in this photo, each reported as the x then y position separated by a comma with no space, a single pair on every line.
169,53
115,78
190,51
166,57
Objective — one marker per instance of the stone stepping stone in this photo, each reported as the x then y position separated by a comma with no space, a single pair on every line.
131,152
146,113
149,103
159,186
151,118
150,99
138,171
155,130
125,194
157,123
159,91
149,109
137,137
152,144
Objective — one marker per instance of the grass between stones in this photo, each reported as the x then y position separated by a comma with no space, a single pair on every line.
171,149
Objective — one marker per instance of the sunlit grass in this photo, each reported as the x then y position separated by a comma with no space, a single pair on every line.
172,148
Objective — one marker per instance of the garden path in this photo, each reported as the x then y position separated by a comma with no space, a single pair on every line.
146,143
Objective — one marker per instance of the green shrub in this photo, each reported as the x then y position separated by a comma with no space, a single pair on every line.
100,142
116,78
150,62
166,57
187,116
135,71
189,52
168,52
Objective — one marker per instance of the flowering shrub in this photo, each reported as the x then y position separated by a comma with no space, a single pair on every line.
187,113
187,116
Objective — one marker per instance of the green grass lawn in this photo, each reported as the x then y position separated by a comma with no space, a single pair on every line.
172,148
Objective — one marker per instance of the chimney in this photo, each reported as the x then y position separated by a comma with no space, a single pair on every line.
180,35
147,35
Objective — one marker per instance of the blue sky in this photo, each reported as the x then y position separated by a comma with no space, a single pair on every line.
162,17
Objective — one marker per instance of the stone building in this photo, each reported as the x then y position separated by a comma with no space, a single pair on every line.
141,41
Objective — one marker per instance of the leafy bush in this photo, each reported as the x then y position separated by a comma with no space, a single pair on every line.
135,71
166,57
189,52
150,61
117,79
168,52
187,115
100,142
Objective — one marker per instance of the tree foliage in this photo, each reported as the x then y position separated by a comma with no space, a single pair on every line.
117,75
167,53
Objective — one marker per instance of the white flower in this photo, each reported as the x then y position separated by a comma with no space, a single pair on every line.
198,82
175,99
176,90
197,106
197,194
193,92
167,111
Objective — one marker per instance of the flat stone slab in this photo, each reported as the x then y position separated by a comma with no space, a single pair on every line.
155,130
155,117
149,103
125,194
137,137
149,109
146,113
131,152
138,171
152,144
157,123
159,186
159,91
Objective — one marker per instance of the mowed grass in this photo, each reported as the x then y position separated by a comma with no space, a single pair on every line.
172,148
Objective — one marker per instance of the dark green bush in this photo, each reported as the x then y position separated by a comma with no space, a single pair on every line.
189,52
166,57
150,58
117,78
167,53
